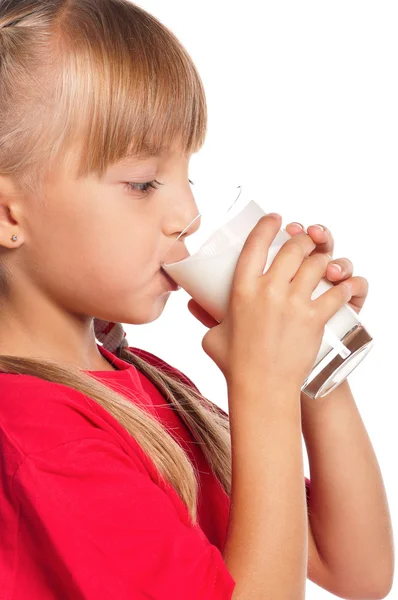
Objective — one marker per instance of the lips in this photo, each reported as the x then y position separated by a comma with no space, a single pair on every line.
170,280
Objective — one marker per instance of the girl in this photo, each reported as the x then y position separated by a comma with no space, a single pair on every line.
106,491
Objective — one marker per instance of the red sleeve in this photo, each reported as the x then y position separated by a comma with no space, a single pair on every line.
99,528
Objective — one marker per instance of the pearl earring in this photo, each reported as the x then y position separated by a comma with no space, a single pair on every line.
14,238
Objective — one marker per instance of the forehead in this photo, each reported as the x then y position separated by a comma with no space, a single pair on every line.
174,150
142,158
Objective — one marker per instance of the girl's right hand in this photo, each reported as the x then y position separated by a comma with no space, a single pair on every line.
272,328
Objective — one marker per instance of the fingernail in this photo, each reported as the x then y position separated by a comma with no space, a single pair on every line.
298,224
320,227
337,266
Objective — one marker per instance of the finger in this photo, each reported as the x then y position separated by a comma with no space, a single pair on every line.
254,254
340,269
201,314
290,258
322,237
359,289
311,271
294,228
328,303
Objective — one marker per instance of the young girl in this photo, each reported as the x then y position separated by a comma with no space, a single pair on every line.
116,472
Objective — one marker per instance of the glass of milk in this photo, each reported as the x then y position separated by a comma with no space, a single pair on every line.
202,261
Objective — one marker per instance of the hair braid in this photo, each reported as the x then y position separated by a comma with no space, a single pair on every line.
112,335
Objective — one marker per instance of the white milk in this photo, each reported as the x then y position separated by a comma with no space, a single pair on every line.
207,276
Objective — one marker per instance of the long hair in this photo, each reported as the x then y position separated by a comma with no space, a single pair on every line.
107,76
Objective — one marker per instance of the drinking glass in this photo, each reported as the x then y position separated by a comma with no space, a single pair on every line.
202,261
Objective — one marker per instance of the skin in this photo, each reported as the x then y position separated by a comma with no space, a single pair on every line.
93,248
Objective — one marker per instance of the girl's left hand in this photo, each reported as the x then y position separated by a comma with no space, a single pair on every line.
325,244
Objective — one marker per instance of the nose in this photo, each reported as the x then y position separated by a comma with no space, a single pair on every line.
192,227
184,220
176,249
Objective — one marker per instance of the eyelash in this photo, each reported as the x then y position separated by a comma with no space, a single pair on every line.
149,184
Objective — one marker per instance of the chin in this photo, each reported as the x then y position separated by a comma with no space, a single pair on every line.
149,312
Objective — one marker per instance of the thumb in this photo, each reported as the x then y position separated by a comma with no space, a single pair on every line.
201,314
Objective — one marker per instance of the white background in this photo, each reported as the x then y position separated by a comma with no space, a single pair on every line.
303,104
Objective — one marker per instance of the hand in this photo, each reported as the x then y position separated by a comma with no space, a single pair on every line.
325,244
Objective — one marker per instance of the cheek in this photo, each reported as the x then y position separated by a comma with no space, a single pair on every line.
113,267
88,257
96,261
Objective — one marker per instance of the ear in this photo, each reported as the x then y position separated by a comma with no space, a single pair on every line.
10,214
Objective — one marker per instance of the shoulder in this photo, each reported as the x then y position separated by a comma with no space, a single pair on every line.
36,414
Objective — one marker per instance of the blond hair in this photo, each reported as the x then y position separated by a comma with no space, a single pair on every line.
105,75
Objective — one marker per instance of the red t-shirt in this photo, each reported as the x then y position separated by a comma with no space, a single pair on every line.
83,513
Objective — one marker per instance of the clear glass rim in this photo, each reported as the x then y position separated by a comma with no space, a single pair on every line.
200,214
177,238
